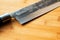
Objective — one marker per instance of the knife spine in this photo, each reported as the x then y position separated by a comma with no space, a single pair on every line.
33,7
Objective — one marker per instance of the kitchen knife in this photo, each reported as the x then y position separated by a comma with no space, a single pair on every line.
30,12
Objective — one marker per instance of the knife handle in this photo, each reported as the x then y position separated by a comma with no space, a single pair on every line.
4,18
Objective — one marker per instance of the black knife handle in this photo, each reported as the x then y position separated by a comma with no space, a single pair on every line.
4,18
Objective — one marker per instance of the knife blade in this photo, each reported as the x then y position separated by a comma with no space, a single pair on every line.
30,12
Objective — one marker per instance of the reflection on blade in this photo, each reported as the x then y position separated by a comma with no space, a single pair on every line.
26,14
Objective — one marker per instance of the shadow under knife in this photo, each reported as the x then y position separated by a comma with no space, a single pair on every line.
5,26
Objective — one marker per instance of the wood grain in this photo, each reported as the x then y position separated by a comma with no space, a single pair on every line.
46,27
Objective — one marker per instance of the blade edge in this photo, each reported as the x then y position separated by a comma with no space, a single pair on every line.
37,13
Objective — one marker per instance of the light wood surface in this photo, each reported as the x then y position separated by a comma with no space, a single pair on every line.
46,27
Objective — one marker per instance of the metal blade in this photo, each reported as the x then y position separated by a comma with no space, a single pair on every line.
26,14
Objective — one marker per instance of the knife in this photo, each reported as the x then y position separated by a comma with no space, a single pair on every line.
30,12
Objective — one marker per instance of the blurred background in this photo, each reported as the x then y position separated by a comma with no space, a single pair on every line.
46,27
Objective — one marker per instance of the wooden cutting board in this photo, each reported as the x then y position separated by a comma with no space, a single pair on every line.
46,27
